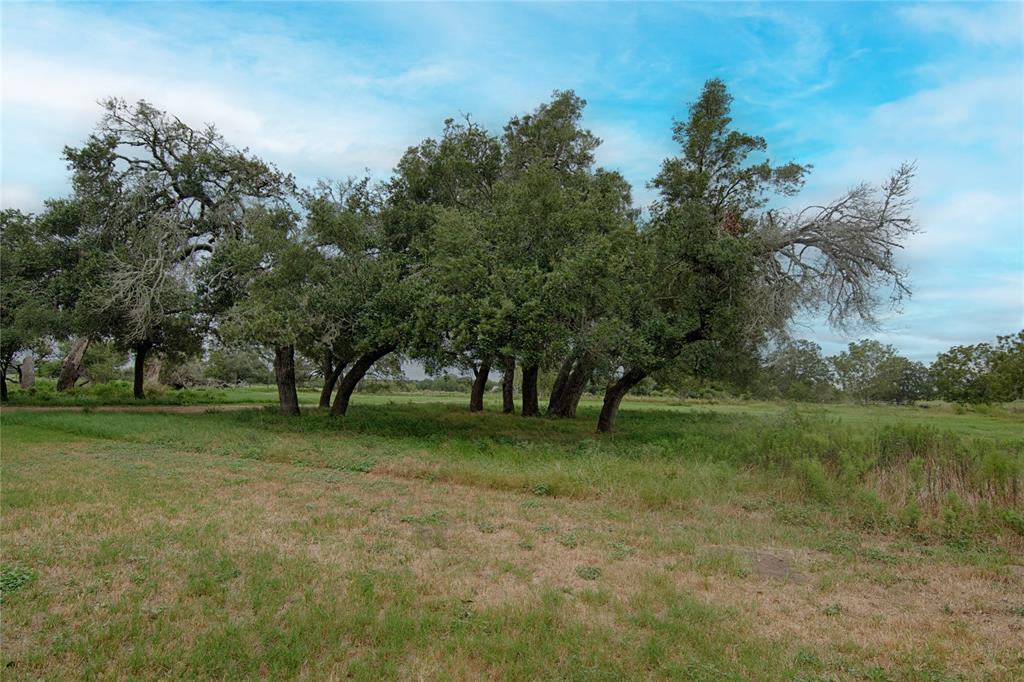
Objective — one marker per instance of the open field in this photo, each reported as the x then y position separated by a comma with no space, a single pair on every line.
413,540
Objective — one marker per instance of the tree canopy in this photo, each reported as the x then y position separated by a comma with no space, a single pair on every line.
483,249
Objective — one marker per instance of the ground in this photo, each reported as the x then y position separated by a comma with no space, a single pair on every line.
412,540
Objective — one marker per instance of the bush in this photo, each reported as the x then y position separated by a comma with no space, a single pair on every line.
814,481
238,366
912,476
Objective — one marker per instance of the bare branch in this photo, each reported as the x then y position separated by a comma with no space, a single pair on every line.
840,257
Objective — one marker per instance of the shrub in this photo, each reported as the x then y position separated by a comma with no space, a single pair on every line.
813,480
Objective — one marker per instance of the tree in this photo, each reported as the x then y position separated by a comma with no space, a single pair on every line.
961,374
237,365
29,260
148,295
981,373
865,370
155,194
276,266
548,162
585,282
798,371
448,185
714,266
912,380
871,371
369,291
497,217
1008,367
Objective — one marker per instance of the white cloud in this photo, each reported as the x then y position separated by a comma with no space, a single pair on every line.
338,130
322,107
967,266
636,153
997,23
19,196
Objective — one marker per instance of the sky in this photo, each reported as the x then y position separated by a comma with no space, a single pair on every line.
328,90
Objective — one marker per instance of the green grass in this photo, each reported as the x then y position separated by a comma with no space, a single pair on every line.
44,394
413,539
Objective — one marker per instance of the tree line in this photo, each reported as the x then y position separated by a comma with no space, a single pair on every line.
484,250
870,371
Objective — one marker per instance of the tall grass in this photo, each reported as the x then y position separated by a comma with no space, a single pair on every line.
916,478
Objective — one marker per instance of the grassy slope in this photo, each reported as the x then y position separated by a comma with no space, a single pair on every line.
418,540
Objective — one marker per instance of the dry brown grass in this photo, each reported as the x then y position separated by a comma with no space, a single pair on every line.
490,548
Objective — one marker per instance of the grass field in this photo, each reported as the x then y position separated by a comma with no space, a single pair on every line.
413,540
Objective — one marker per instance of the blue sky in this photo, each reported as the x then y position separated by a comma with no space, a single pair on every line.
328,90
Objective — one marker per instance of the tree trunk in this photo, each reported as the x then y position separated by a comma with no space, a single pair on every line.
578,381
141,351
331,374
531,408
27,373
151,374
72,366
476,396
284,373
3,386
568,398
349,382
613,398
558,388
508,378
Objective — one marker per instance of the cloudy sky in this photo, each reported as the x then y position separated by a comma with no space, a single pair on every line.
328,90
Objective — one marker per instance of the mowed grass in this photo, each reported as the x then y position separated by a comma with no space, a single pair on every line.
413,540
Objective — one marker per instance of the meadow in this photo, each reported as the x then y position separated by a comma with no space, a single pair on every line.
414,540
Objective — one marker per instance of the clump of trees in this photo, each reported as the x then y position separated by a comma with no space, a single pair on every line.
485,250
982,373
870,371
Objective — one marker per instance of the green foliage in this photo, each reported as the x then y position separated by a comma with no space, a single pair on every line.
1015,520
235,365
30,286
103,363
482,247
961,374
871,371
810,473
150,195
798,371
981,373
13,578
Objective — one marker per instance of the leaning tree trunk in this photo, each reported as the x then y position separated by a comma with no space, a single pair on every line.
351,379
476,396
568,398
508,378
558,388
331,374
72,366
531,408
27,372
284,373
613,398
578,381
141,351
